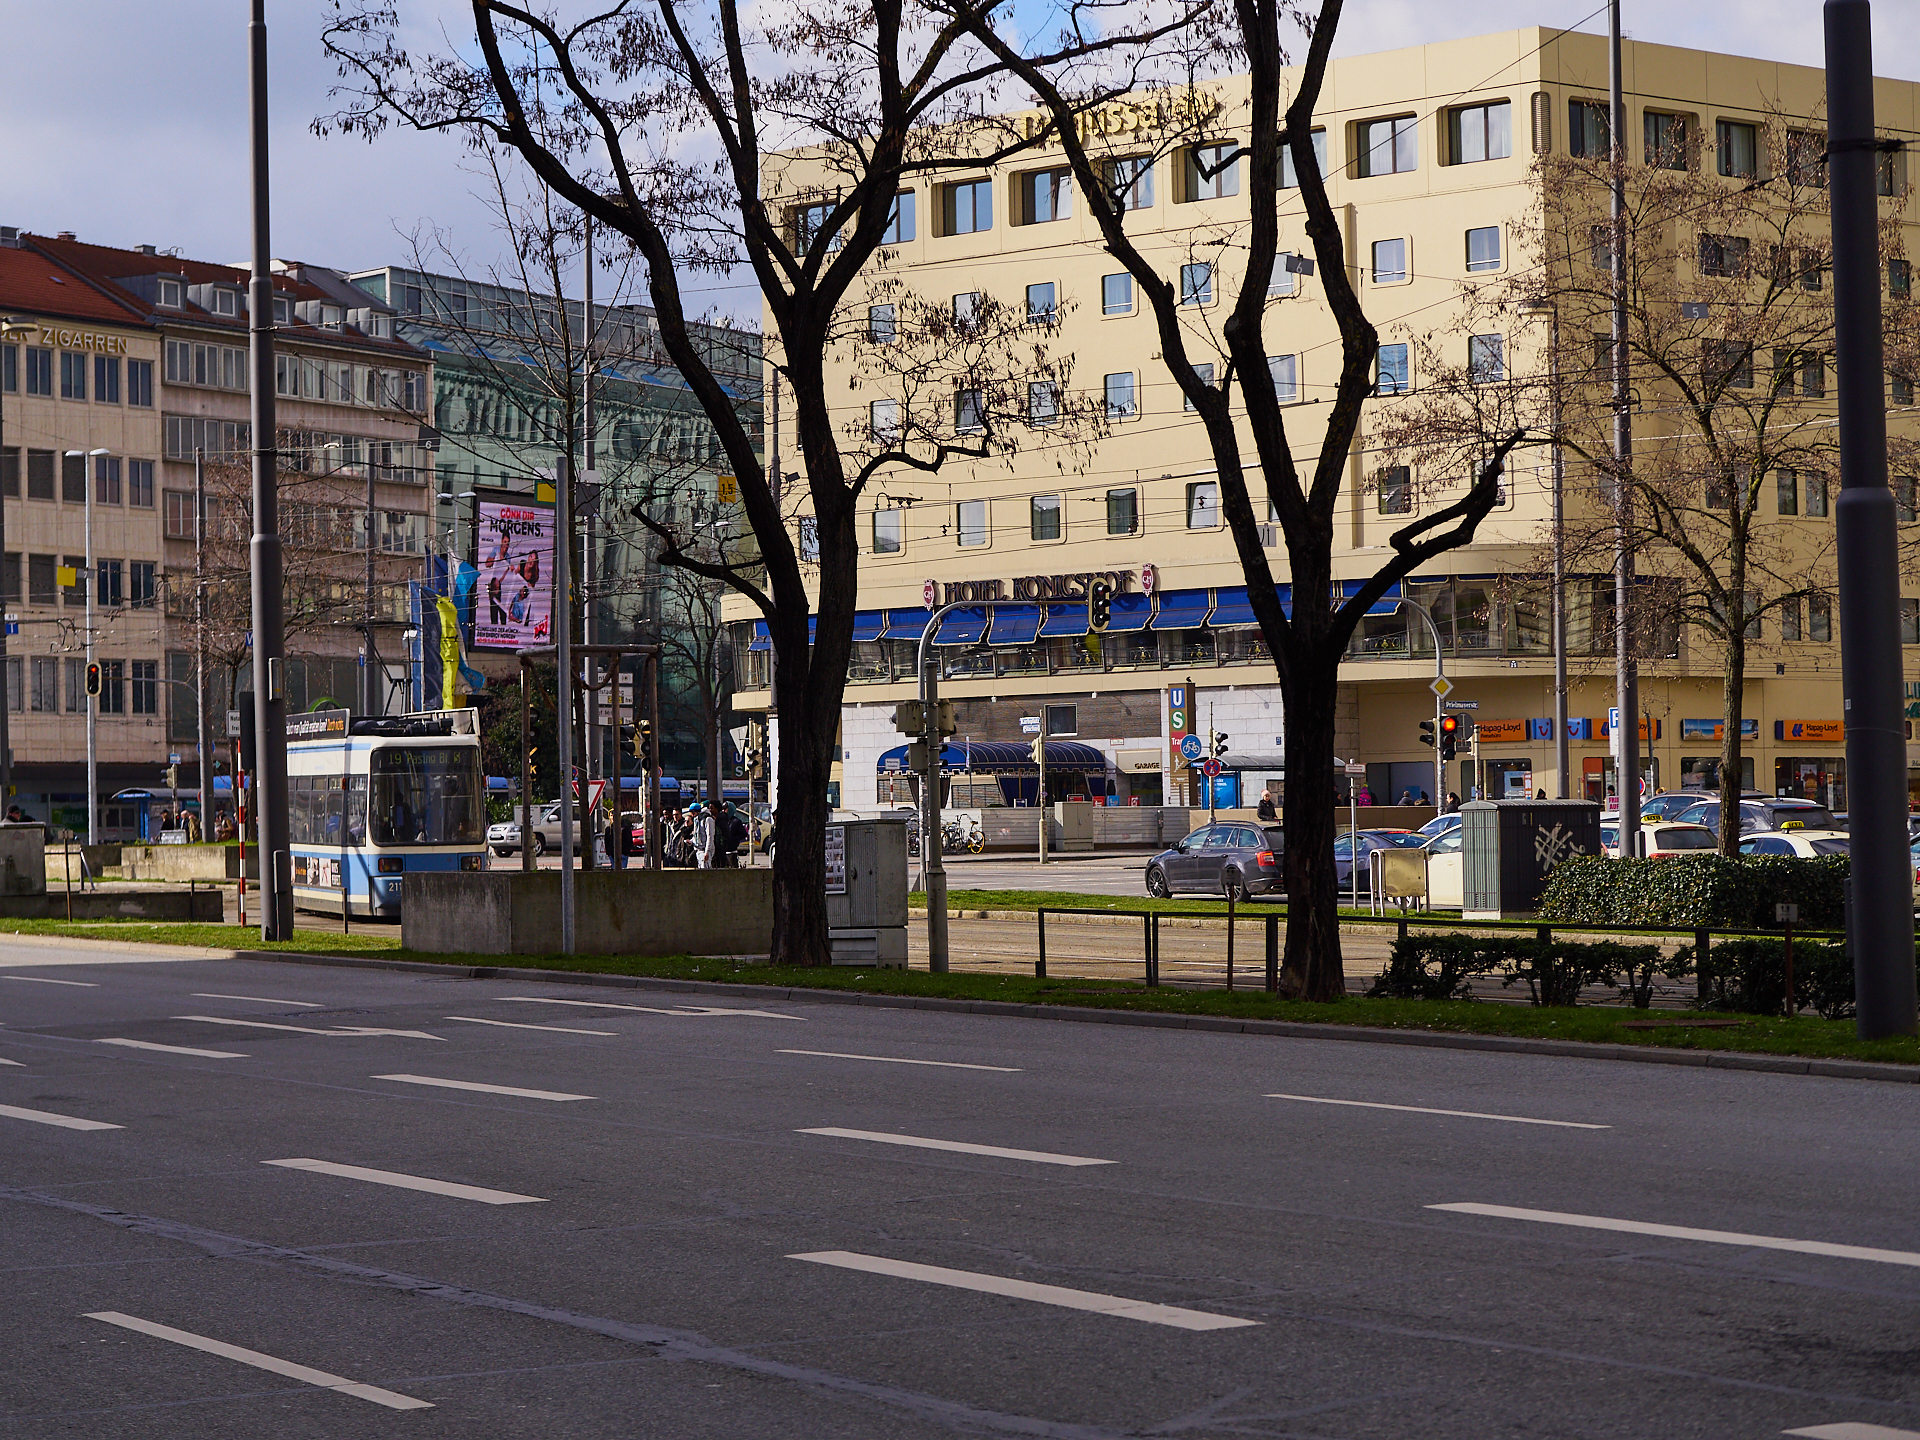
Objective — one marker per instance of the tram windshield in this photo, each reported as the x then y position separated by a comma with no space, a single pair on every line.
428,796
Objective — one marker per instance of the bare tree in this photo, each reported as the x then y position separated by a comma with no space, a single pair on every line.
712,140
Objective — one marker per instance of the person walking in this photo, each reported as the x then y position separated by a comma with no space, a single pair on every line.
1265,811
703,836
1453,802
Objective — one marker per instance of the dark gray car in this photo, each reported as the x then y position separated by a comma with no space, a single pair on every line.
1768,814
1237,854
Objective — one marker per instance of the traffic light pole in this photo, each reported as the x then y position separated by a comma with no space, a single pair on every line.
1040,799
1439,706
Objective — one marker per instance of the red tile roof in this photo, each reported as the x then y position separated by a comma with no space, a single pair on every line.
34,284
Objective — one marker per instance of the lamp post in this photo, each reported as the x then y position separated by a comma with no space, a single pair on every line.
200,640
10,328
1560,761
91,581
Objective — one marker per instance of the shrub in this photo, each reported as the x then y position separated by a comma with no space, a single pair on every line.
1434,967
1441,967
1697,891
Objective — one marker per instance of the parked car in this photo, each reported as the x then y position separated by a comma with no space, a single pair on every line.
1369,841
1661,839
503,838
1668,804
1804,843
1446,870
1440,825
1235,855
1767,813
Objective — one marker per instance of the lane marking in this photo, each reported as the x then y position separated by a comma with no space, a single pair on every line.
1684,1232
40,962
10,1062
1174,1315
47,1117
516,1025
43,980
485,1089
305,1373
897,1060
260,1000
920,1142
1854,1430
684,1010
360,1030
1425,1110
409,1182
175,1049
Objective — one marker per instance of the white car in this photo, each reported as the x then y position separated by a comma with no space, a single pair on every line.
1446,870
1441,824
1807,844
1661,839
503,838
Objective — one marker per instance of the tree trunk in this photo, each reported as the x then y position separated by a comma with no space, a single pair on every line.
1313,969
1732,697
799,859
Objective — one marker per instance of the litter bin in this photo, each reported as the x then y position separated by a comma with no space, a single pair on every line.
1509,847
867,892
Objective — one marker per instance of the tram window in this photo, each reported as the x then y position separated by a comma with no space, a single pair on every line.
428,795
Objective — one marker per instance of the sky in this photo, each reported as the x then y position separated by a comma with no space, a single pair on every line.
128,121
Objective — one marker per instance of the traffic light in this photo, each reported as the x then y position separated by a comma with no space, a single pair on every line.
1039,749
1449,736
1099,605
908,717
533,762
643,741
173,777
1426,732
1219,744
93,677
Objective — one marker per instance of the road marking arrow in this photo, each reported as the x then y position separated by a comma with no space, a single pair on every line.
360,1030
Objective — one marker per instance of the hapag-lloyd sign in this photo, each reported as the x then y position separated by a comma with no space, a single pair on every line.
1032,587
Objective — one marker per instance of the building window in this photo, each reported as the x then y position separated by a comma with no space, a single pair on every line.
140,483
1213,172
1486,359
40,474
1483,248
966,311
1130,182
883,418
1043,402
1667,141
10,577
110,593
1116,294
146,687
969,412
106,479
1389,261
1123,512
966,207
39,370
1045,195
1903,500
1121,404
141,584
1900,279
1805,367
76,686
900,222
1820,618
1289,179
1899,387
10,368
1786,492
170,294
1789,612
106,379
880,324
73,375
1587,130
1806,158
46,685
972,517
140,383
1910,622
808,223
1043,517
807,534
10,471
1736,149
1283,281
1284,371
1203,505
179,515
76,593
1203,373
1393,377
889,531
113,687
1396,490
1816,492
73,479
1043,304
1726,363
1480,132
42,580
1724,256
1196,284
1387,147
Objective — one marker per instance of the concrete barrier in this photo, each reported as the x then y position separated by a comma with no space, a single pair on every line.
114,903
187,862
616,912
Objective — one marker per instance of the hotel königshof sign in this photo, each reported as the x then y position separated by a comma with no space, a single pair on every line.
1032,587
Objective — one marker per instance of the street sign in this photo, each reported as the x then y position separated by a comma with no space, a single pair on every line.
233,724
726,489
1210,769
1461,704
1148,577
930,595
1356,768
1786,913
1029,724
1193,747
1441,686
13,624
1613,717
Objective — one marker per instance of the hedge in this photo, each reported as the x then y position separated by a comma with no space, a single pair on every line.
1696,892
1442,967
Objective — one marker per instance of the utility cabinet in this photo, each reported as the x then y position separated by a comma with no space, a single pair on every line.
867,892
1509,847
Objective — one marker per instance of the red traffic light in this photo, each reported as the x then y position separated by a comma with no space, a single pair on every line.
1449,724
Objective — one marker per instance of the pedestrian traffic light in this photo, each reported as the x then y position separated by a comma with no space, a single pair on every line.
533,761
93,677
1099,605
1039,749
1426,732
1449,736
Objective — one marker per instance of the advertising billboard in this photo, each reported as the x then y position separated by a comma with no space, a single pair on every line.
513,601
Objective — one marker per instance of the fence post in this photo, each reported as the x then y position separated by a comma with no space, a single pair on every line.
1040,962
1701,940
1230,890
1273,954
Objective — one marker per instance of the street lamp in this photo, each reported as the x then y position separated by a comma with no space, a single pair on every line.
10,329
451,497
1547,308
93,701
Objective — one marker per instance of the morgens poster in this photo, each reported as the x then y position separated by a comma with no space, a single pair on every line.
513,599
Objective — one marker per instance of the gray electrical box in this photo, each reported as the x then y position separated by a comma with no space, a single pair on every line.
1509,847
867,892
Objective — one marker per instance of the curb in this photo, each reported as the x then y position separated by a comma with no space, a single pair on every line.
1283,1029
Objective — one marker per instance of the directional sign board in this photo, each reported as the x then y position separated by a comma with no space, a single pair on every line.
1193,747
1210,769
1461,704
1441,686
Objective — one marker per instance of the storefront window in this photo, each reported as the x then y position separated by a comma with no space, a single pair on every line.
1081,652
1239,647
867,661
1822,778
1024,660
1702,773
1185,647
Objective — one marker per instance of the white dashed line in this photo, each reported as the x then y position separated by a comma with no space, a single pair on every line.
47,1117
305,1373
409,1182
261,1000
884,1137
175,1049
683,1010
516,1025
1684,1232
898,1060
1854,1430
43,980
485,1089
1457,1114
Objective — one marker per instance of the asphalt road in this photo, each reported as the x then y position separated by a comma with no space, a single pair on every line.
755,1219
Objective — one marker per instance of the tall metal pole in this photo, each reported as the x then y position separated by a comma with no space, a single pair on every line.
1880,926
1439,673
588,576
563,681
6,600
92,582
200,642
1627,736
933,867
368,692
1561,763
269,626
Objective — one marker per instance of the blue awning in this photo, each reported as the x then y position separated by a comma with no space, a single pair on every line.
1130,613
1231,608
761,639
962,627
869,625
1183,609
906,624
1065,620
1014,625
1003,757
1387,604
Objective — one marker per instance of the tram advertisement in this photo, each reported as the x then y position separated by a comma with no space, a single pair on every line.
514,601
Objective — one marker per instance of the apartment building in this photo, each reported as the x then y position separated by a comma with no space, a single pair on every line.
1433,163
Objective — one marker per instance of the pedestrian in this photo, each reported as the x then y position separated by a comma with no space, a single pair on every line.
192,824
1406,797
1541,796
15,815
703,836
1453,802
1365,797
1266,812
1423,798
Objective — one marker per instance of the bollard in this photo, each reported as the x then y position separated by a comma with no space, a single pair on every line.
1701,940
1040,961
1791,1007
1273,954
1230,890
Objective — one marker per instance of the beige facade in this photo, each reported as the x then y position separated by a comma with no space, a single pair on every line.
1425,218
